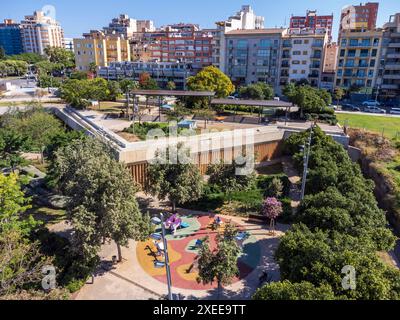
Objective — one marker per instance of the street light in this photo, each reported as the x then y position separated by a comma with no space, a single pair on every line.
306,159
158,221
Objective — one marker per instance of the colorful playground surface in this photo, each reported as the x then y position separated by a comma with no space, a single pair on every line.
183,252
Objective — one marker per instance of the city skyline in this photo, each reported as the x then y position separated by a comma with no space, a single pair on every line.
101,12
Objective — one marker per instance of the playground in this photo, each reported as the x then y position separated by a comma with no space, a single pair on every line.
184,236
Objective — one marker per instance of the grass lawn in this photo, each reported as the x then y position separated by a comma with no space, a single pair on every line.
47,215
389,125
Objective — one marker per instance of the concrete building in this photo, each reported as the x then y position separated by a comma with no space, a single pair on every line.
145,26
389,69
69,44
162,72
312,21
330,60
39,32
101,49
183,42
359,17
358,59
245,19
253,55
122,26
302,57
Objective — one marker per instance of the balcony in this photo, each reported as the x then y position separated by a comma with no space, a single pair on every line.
317,44
393,55
392,66
315,66
313,75
390,86
394,45
391,76
316,57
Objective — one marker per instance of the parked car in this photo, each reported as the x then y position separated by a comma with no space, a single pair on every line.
371,103
232,98
350,107
373,109
333,106
394,111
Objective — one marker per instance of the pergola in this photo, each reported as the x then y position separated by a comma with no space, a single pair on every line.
261,104
170,93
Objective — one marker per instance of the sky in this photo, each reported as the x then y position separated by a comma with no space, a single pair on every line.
79,16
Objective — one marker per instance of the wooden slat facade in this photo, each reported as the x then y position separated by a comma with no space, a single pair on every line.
263,151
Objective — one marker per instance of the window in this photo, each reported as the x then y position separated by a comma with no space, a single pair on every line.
295,62
305,53
303,71
294,71
297,41
242,44
374,52
263,53
296,53
304,62
266,43
353,42
306,41
344,42
342,52
372,63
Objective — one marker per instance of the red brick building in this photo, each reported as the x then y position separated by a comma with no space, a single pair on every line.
360,17
313,22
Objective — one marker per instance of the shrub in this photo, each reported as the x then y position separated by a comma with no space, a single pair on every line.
264,182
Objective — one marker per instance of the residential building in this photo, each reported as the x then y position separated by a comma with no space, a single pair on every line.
358,59
389,69
312,21
253,55
245,19
69,44
10,37
183,42
330,60
122,26
302,57
145,26
40,31
162,72
101,49
359,17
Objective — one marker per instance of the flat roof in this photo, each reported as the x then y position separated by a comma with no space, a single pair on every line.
257,31
256,103
173,93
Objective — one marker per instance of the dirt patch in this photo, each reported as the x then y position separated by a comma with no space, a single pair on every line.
128,136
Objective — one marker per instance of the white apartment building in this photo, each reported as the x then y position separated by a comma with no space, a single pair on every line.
39,32
245,19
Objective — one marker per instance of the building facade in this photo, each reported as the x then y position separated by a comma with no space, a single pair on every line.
10,37
312,21
253,56
358,59
359,17
39,31
162,72
122,26
245,19
330,60
101,49
389,69
302,57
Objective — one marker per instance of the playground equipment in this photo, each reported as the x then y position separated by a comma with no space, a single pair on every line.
241,236
174,223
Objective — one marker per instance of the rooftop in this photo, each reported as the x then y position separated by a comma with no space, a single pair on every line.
173,93
256,103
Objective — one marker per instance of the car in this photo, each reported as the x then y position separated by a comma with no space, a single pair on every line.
350,107
371,103
333,106
395,111
232,98
373,109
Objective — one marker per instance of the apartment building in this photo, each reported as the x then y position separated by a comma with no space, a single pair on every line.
359,17
122,26
330,60
145,26
10,37
39,31
389,68
245,19
162,72
253,56
302,57
358,59
101,49
312,22
182,42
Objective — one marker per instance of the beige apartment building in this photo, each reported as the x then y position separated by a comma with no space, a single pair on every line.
358,59
39,31
101,49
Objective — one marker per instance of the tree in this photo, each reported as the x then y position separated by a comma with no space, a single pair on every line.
93,67
221,264
211,79
146,82
102,198
272,209
275,188
60,56
114,90
171,85
286,290
257,91
30,58
206,114
11,147
172,175
2,53
229,177
338,94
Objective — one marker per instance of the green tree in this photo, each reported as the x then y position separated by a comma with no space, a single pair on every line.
171,85
60,56
172,175
338,94
211,79
257,91
221,264
102,197
30,58
11,147
286,290
2,53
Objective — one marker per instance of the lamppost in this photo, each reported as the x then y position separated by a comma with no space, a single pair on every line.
158,221
306,159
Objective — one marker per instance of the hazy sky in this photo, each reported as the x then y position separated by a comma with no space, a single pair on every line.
78,16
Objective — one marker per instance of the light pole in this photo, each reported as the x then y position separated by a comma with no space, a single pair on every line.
306,159
158,221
